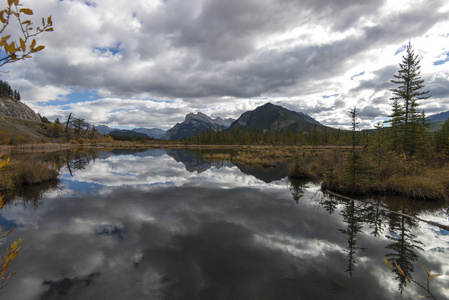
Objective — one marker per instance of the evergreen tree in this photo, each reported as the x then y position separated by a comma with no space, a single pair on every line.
441,138
406,118
354,162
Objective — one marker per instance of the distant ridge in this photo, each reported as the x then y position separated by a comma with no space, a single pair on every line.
127,135
155,133
151,132
438,117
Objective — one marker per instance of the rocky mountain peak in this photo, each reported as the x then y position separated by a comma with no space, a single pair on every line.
193,124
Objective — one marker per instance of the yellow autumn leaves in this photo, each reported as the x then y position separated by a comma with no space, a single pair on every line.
400,272
26,44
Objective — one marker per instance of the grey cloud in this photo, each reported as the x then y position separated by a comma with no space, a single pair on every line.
201,50
370,112
438,87
213,44
381,81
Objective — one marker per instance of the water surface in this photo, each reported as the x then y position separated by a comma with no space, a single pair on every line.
166,225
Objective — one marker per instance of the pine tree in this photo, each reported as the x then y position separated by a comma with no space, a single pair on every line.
354,159
406,117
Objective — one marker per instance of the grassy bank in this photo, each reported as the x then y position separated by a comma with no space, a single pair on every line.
19,173
393,175
427,179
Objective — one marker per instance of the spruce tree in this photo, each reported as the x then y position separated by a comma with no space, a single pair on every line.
406,117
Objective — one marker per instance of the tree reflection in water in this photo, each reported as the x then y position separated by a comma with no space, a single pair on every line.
374,213
404,244
191,236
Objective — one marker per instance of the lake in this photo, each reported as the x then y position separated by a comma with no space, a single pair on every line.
164,224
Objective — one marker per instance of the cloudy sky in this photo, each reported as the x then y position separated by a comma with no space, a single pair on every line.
147,63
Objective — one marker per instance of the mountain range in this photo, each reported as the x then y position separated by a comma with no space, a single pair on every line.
266,117
155,133
439,117
16,117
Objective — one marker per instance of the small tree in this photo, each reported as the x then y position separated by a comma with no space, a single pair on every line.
22,46
357,170
378,149
352,166
406,118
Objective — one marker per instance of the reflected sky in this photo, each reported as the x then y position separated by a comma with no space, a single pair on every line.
151,168
142,226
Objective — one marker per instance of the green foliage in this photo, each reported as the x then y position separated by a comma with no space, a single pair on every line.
357,169
256,136
408,125
441,139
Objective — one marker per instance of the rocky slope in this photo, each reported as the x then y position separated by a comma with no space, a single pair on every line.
18,120
16,109
194,123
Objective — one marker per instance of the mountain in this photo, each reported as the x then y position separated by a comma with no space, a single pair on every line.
152,133
103,129
127,135
16,109
436,121
438,117
275,117
194,123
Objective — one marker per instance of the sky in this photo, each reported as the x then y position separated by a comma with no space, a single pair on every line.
148,63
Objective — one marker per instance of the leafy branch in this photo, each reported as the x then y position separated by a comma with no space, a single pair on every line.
426,286
26,44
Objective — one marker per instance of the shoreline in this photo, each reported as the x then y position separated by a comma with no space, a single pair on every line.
314,163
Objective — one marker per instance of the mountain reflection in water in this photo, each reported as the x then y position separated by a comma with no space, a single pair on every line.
162,224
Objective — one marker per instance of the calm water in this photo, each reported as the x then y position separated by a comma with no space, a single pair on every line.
165,225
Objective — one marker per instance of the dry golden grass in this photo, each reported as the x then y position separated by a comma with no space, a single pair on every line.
216,157
19,173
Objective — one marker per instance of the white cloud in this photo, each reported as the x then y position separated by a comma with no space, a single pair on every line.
227,56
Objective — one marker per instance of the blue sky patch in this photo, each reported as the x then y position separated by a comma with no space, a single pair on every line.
360,74
77,95
329,96
400,49
113,50
442,61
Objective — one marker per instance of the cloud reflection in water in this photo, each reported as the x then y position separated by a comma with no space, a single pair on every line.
152,230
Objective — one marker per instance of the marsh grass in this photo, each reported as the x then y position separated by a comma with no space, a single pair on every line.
430,185
216,157
397,175
22,172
